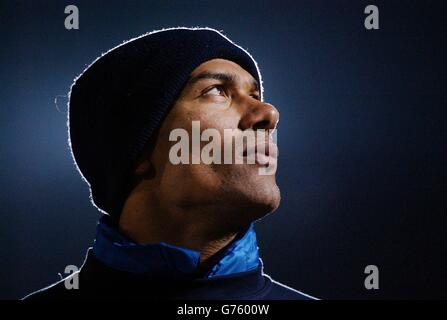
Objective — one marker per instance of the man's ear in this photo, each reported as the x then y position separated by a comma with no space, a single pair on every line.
144,168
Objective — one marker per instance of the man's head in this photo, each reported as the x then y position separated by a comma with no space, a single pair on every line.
125,106
220,95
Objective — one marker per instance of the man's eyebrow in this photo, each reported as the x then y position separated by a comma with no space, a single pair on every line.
226,77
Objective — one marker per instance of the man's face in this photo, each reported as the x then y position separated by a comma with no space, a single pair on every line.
220,95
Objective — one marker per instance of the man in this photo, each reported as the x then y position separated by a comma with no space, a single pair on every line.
173,230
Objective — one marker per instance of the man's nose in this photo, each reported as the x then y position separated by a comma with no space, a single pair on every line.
259,115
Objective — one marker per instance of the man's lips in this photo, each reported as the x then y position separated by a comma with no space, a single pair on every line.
263,152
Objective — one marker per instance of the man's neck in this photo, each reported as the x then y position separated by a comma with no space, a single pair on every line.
144,224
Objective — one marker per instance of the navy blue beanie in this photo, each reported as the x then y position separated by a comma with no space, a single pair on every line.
121,99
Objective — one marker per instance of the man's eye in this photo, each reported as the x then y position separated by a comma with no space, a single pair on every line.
215,91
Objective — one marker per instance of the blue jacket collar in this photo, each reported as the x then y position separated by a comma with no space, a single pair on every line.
162,259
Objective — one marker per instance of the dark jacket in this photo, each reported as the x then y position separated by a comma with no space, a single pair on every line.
117,267
98,281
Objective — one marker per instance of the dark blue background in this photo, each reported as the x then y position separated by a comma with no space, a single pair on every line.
362,137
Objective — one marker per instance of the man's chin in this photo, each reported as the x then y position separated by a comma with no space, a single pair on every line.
262,202
265,208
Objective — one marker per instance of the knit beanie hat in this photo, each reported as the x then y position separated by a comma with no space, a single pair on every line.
121,99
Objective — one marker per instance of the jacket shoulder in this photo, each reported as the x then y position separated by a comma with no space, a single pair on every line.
55,291
279,291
